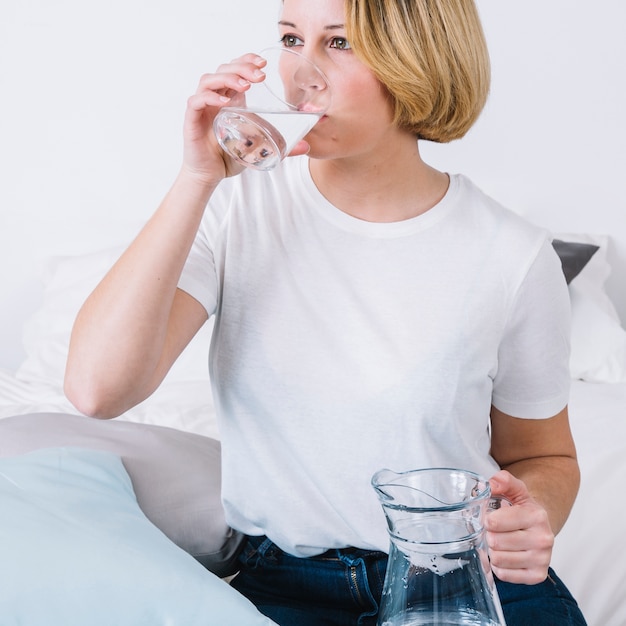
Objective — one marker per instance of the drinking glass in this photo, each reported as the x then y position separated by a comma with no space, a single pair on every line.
260,126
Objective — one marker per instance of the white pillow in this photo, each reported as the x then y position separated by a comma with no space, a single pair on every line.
77,550
67,283
598,339
184,398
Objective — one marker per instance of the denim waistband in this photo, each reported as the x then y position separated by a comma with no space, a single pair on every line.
267,547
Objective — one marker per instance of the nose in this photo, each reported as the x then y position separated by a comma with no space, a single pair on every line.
309,77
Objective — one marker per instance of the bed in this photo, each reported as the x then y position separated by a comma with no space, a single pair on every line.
83,502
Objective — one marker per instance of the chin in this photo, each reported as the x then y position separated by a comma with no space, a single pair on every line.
323,148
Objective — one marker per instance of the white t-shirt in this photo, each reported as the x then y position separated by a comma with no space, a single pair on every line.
342,347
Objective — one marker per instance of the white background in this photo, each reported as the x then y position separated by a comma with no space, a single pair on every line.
92,97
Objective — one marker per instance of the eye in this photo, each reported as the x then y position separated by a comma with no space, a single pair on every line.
340,43
289,41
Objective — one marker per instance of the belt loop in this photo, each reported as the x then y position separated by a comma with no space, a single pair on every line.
268,550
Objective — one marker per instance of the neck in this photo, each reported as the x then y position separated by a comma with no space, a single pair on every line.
381,188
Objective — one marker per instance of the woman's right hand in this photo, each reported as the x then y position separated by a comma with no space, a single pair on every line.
202,156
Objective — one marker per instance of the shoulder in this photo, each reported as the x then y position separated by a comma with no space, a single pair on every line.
498,224
511,244
490,209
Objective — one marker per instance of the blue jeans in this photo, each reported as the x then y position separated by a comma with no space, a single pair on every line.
343,588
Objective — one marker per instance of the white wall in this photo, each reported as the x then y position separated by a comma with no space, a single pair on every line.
92,97
551,143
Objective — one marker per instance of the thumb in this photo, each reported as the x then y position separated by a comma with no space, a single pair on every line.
504,484
302,147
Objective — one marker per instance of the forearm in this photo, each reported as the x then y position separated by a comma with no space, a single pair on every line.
119,349
542,454
553,482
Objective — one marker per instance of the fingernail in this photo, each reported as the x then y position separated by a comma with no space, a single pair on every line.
244,82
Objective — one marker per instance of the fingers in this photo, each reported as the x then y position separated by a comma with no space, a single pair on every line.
230,79
511,530
519,537
528,567
515,570
214,91
520,543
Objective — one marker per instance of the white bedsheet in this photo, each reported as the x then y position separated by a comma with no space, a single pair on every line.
183,404
588,553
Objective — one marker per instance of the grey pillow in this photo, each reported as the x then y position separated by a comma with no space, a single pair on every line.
574,256
176,475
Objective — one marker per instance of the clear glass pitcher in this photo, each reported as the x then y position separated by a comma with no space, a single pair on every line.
438,570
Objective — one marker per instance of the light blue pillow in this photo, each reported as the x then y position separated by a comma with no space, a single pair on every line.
76,550
176,475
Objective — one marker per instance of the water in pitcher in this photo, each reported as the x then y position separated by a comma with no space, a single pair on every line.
458,618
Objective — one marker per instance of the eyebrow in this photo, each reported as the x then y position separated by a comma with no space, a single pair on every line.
329,27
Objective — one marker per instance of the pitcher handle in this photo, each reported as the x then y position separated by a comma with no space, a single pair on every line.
497,502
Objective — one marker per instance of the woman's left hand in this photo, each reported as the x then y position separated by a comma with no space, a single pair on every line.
519,537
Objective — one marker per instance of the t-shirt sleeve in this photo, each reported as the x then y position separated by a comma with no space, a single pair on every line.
199,277
533,379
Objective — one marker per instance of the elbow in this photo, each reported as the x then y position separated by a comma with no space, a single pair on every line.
88,398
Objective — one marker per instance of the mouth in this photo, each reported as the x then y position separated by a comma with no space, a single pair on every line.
308,108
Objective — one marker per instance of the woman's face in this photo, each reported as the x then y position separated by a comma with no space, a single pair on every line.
360,116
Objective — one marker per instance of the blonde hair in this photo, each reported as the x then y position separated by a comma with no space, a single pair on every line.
431,56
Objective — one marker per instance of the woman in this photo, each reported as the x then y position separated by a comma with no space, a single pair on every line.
371,312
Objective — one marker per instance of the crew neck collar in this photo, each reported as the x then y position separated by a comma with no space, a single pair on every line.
374,229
